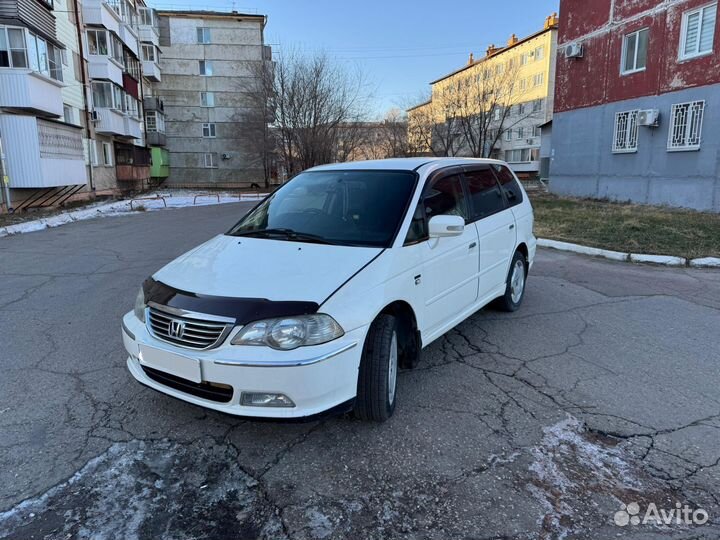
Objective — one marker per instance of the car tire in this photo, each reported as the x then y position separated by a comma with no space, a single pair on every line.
515,284
377,377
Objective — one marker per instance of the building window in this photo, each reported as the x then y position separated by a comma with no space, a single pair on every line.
521,109
625,137
540,53
151,121
97,42
519,155
537,131
686,126
537,105
508,135
634,52
203,35
205,67
524,57
148,53
207,99
496,114
13,51
211,160
538,79
67,114
208,131
520,133
698,32
107,154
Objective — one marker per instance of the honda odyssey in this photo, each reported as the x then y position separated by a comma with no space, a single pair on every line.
316,297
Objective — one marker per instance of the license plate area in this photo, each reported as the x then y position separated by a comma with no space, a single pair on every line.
172,363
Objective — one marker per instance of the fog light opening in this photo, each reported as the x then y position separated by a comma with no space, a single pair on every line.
265,399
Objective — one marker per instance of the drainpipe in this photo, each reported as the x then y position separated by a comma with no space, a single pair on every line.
85,85
4,179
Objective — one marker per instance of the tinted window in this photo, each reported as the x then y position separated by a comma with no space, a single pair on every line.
445,197
343,207
485,195
509,184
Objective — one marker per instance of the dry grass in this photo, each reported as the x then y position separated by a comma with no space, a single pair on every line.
627,227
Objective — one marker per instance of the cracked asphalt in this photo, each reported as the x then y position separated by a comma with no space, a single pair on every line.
601,391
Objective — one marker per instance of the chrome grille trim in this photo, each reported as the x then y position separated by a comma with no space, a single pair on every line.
199,334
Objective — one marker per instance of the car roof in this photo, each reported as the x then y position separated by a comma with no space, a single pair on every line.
401,164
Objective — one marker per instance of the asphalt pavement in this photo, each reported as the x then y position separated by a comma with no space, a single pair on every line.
594,403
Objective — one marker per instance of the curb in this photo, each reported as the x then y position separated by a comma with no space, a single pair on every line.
665,260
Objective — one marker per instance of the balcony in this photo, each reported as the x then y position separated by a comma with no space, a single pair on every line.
23,89
149,34
106,68
132,173
109,121
151,70
129,36
133,127
99,13
42,154
156,138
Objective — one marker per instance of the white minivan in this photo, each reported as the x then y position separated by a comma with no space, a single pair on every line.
317,296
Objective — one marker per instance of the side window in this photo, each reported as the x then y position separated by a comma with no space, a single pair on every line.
485,195
510,185
445,197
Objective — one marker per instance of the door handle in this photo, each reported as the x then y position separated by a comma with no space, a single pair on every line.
512,227
474,244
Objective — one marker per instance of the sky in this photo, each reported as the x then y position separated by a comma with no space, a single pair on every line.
398,45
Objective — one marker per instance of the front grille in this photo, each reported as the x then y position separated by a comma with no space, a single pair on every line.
221,393
196,334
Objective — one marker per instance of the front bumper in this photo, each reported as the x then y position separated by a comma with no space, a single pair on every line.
315,378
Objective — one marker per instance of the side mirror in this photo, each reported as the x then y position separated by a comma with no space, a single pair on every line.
442,226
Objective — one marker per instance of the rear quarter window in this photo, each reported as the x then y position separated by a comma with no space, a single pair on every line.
509,184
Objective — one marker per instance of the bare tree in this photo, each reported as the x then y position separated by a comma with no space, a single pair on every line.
469,114
260,136
394,134
311,99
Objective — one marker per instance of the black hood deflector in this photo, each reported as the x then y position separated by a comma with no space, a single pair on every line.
243,310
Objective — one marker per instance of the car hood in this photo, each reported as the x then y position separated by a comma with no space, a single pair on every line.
244,267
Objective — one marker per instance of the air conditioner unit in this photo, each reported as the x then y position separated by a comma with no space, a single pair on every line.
574,50
94,116
649,117
529,141
226,156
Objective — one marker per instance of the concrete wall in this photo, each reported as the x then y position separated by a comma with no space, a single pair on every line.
584,165
235,50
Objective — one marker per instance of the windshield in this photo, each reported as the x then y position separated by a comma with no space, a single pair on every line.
359,208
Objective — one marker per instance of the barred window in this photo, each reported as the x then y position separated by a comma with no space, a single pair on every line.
625,138
686,126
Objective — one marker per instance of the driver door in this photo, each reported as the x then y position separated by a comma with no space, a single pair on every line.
450,265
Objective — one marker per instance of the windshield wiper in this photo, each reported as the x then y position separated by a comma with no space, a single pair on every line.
288,234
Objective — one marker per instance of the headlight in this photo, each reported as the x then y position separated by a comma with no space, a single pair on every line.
290,332
140,305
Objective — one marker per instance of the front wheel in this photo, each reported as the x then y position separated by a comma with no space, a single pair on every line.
377,378
515,287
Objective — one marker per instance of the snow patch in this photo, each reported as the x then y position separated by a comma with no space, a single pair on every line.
158,201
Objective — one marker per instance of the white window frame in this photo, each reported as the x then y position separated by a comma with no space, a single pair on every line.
208,102
540,53
508,135
211,130
107,154
152,57
700,11
626,39
693,124
625,126
206,67
210,160
204,36
151,121
538,79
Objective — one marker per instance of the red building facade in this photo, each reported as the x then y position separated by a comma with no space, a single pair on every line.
632,56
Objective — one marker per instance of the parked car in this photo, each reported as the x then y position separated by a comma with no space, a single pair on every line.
318,295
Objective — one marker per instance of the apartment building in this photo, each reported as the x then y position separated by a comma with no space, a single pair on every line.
637,106
41,151
209,60
497,106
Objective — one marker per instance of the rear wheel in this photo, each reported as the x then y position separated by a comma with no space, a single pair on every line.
377,378
515,284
